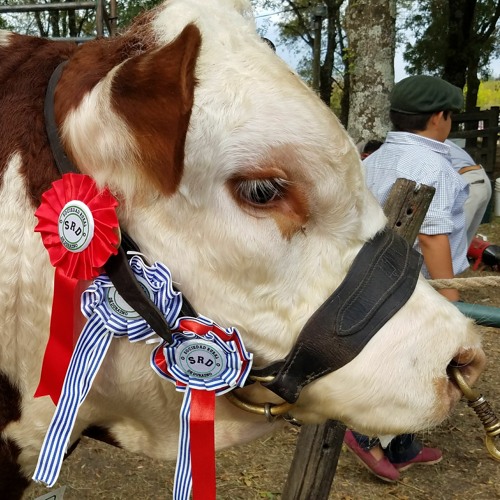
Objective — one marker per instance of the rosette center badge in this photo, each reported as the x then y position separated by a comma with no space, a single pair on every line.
76,226
200,359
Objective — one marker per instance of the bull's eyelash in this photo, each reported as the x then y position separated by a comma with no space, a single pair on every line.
262,191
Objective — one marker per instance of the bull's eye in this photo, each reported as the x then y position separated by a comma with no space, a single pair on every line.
261,191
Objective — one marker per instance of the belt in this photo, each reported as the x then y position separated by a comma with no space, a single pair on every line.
468,169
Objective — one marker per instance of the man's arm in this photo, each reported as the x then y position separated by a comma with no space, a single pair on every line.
437,257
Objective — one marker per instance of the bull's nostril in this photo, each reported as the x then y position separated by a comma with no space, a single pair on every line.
470,362
464,357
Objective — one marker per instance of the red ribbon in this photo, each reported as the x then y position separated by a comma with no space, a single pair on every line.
202,439
66,318
71,267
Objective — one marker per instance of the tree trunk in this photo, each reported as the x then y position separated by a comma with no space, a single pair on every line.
332,33
460,32
54,22
371,31
39,23
473,83
73,32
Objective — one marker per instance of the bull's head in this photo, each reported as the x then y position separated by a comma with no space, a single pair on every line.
233,173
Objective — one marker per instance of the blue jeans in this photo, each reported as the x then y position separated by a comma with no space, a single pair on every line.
401,449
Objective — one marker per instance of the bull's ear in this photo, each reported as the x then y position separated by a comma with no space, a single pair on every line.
154,92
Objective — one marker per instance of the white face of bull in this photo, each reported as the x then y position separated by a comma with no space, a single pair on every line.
231,172
269,211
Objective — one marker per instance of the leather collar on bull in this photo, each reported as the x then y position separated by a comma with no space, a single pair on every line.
379,282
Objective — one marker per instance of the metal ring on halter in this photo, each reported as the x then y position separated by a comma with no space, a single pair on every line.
483,410
489,441
267,412
266,409
469,393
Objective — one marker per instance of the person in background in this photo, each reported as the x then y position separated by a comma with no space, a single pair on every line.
370,147
421,108
473,174
479,187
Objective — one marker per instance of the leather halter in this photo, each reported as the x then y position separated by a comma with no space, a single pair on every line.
380,281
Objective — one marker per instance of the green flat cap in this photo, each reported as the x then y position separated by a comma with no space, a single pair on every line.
422,94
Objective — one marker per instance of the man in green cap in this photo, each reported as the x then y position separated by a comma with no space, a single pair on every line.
421,108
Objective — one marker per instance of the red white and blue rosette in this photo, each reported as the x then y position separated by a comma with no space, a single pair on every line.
204,360
108,316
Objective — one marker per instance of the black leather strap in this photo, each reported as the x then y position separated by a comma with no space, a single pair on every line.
63,164
380,281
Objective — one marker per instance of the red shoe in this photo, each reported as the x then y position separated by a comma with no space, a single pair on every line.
426,456
382,468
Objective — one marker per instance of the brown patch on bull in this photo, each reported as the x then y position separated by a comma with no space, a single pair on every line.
26,64
94,60
101,434
13,482
154,94
10,402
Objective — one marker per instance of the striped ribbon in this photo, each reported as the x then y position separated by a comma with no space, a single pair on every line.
195,461
108,316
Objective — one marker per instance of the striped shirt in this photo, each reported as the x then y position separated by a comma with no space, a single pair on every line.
425,161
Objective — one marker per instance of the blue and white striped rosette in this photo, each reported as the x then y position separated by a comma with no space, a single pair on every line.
203,356
108,316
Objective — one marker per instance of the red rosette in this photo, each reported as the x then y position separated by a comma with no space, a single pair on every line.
80,230
76,201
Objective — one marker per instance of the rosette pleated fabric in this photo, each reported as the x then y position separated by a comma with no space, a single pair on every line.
79,228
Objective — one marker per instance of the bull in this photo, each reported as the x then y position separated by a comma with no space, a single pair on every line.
229,170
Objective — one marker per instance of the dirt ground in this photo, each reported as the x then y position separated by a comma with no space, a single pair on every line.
259,470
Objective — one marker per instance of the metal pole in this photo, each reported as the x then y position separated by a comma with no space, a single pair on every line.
47,6
99,16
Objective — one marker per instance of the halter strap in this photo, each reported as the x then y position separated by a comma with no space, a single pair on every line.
380,281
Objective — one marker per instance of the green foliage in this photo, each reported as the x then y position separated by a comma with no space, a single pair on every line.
295,22
489,94
80,23
128,10
428,23
336,100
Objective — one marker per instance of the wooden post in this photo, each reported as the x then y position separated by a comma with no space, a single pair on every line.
406,207
318,446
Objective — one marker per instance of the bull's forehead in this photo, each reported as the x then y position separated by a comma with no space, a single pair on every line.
249,106
226,16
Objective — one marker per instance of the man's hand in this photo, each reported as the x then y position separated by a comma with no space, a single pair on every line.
437,257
